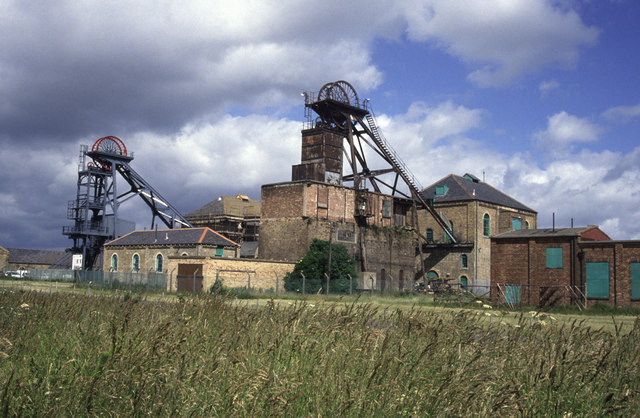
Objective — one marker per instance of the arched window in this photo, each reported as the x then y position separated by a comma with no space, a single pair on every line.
463,261
526,225
159,263
486,225
135,263
114,262
429,235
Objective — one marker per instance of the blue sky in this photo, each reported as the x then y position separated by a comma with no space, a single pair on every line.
541,96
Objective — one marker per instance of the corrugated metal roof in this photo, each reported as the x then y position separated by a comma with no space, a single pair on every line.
460,189
182,236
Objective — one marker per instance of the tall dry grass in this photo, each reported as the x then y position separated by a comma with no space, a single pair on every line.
74,355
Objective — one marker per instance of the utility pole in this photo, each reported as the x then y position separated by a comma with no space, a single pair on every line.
329,262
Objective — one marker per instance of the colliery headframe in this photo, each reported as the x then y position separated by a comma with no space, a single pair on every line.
99,195
339,109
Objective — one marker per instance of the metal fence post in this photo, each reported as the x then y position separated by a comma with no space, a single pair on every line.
277,282
350,284
304,279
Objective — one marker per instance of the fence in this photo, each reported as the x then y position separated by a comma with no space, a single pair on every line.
516,294
140,281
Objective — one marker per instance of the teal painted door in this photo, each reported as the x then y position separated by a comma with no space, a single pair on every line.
597,280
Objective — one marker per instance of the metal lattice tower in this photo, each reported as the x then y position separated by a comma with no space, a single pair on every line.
340,110
99,195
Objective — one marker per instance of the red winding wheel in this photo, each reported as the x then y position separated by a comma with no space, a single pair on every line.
110,144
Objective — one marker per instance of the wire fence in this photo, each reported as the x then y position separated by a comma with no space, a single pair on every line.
514,295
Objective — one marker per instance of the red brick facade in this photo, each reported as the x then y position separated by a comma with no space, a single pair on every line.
523,262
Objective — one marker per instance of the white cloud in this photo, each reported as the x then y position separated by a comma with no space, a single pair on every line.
503,39
563,130
547,87
622,113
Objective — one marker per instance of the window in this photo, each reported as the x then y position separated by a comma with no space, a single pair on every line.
526,225
135,264
597,280
463,261
429,235
554,258
635,280
114,262
441,190
516,223
159,263
486,225
219,251
386,208
446,236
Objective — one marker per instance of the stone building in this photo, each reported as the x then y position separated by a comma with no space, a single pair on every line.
4,259
475,211
237,218
565,266
149,250
28,259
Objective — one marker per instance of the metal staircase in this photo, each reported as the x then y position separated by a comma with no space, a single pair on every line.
403,171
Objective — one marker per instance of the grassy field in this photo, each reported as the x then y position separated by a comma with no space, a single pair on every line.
70,354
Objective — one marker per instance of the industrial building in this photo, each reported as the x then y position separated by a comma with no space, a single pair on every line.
580,266
237,218
336,196
474,212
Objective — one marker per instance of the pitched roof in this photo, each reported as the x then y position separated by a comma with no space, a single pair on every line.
587,233
182,236
27,256
469,188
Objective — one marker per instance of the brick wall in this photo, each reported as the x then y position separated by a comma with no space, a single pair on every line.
264,274
619,255
523,261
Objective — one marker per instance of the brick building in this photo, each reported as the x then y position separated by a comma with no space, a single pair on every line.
475,211
237,218
148,251
563,266
376,228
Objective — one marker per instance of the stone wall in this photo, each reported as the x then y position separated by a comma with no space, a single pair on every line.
468,228
147,256
256,274
4,259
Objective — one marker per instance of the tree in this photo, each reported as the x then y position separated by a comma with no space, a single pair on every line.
314,266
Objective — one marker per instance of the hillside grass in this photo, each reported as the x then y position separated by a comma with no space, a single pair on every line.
69,354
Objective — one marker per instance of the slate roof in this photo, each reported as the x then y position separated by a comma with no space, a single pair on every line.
181,236
248,249
546,233
27,256
462,189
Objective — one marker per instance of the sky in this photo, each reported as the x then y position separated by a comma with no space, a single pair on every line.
539,98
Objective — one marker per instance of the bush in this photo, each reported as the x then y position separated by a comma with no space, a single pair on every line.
314,266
